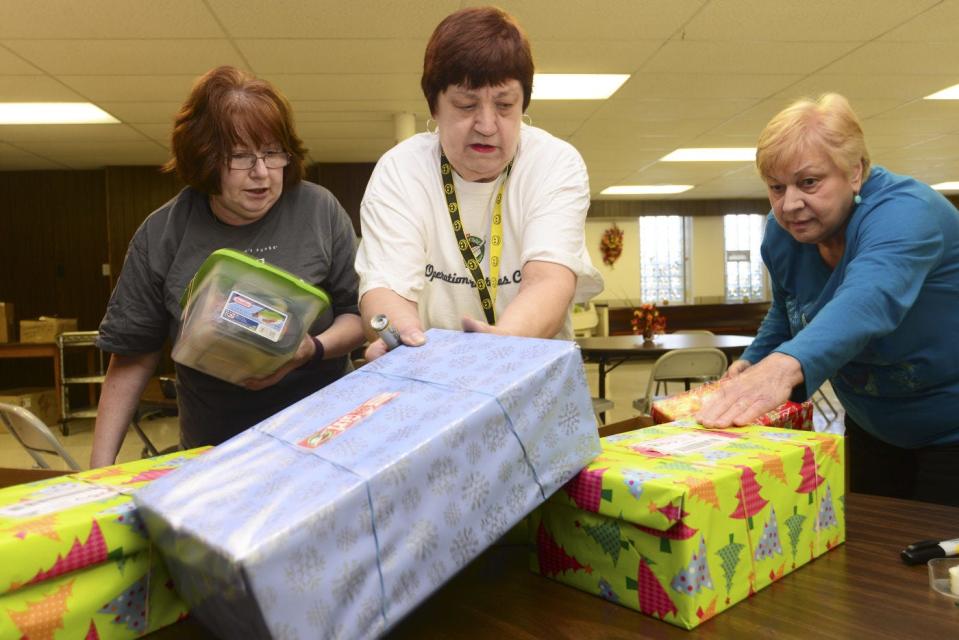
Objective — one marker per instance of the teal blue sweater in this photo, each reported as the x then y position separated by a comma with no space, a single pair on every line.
883,326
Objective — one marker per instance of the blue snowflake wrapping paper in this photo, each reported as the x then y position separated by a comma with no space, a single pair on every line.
267,538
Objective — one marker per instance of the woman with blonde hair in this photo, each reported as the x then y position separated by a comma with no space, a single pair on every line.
864,265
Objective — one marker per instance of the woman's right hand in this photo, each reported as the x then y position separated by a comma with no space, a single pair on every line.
736,368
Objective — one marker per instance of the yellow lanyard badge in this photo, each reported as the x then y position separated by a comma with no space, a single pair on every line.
487,294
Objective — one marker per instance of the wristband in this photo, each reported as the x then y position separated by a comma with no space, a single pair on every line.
320,350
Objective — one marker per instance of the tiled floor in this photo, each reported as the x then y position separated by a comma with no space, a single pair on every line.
163,432
626,383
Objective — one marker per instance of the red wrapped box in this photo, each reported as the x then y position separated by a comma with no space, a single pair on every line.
790,415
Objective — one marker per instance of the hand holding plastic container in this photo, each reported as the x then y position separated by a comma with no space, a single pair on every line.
243,318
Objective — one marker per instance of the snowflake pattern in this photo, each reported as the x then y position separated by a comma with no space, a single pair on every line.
397,473
284,631
505,471
437,572
452,514
346,538
569,418
406,587
349,581
304,569
464,547
318,615
494,522
476,489
516,499
442,475
474,453
422,540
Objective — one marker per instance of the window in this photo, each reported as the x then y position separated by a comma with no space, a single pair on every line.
662,258
745,272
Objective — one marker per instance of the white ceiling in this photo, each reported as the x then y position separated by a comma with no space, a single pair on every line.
704,73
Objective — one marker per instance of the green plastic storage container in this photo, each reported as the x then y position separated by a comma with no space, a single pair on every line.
243,318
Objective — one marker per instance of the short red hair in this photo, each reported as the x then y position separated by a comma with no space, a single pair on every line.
226,108
477,47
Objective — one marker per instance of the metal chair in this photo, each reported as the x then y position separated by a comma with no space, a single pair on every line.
152,406
34,436
682,365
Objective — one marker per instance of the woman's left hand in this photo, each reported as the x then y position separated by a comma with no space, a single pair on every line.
304,353
478,326
757,390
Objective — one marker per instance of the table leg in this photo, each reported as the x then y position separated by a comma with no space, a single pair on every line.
602,386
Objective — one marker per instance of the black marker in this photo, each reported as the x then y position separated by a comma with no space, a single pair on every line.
925,550
387,332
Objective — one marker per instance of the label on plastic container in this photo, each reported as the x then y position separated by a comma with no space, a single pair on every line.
684,444
243,311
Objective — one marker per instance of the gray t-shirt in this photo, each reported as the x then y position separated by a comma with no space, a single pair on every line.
306,232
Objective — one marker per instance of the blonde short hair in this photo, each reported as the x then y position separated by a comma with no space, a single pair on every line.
827,124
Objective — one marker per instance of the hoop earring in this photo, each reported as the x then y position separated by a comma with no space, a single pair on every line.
431,126
528,120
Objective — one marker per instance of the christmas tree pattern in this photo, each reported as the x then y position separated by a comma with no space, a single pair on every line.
708,612
586,489
773,465
41,526
634,480
829,445
127,515
646,451
827,516
41,619
553,559
701,488
607,535
653,599
606,591
149,475
678,531
769,545
808,474
81,554
794,526
729,555
750,502
130,606
92,633
695,576
677,465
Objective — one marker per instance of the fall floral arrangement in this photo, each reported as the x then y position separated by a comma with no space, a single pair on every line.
611,244
647,320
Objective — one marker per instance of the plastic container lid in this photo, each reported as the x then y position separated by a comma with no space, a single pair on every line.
243,318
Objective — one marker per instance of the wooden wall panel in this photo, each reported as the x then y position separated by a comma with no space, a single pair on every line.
132,194
347,181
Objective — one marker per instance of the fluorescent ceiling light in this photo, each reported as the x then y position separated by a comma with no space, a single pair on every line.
576,86
645,189
946,186
53,113
712,154
949,93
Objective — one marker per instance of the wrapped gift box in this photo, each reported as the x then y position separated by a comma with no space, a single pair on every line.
791,415
54,532
338,515
681,523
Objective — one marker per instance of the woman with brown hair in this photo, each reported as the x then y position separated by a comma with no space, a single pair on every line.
479,223
865,272
235,146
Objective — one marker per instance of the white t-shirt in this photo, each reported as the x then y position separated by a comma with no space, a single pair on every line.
408,242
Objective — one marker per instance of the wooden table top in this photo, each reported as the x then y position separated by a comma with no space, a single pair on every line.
859,590
633,347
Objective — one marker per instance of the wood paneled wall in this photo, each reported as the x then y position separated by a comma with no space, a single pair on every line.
347,181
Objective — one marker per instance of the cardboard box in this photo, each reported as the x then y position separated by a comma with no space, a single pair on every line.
8,327
682,406
45,329
681,522
341,513
40,401
76,556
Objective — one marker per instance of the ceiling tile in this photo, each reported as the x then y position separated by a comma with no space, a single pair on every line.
806,21
745,57
12,64
402,86
906,58
685,86
601,20
938,24
333,55
108,19
127,57
600,56
35,89
67,134
133,88
143,112
332,19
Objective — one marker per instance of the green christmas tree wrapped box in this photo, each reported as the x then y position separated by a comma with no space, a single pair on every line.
338,515
81,529
681,522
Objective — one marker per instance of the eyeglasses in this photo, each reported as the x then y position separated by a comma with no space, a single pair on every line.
246,161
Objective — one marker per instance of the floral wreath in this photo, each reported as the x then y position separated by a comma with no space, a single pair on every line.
611,244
